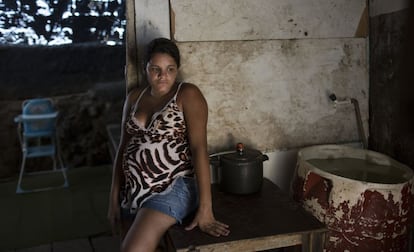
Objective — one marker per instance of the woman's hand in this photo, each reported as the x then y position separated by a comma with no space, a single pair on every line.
205,220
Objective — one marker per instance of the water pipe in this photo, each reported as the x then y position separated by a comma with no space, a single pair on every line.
360,126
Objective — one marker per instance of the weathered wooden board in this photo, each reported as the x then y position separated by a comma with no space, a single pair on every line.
146,19
258,244
217,20
152,19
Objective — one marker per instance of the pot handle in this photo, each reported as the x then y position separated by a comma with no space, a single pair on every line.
265,157
215,160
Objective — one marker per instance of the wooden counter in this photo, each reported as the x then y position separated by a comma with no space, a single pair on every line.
265,220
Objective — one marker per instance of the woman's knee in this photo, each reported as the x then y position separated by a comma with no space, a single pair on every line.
146,231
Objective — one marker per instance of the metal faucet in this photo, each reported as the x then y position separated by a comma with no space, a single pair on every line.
360,126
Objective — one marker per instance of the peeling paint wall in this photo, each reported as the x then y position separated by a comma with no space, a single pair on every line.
266,68
273,94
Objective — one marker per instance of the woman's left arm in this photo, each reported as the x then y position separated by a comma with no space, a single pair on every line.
195,111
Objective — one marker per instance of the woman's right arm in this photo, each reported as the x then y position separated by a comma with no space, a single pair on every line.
117,175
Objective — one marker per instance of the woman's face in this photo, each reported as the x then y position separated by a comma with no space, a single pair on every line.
161,73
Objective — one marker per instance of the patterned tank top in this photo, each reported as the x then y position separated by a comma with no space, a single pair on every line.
156,155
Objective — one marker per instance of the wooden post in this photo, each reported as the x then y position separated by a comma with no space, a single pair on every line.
146,20
131,69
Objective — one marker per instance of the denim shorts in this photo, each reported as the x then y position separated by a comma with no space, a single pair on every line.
179,200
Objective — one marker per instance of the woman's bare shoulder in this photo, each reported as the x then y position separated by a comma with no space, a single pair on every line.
190,96
134,93
189,89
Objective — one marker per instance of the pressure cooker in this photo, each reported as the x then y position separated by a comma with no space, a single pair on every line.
239,171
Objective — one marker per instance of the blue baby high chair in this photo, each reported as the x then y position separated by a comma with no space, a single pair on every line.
37,134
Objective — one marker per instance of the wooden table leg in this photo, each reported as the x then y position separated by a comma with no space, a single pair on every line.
166,243
313,242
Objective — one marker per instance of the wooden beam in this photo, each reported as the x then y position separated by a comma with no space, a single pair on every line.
131,70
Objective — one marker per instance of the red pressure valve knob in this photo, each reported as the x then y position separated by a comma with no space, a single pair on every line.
240,148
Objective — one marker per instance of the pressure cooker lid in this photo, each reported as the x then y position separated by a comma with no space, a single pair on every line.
241,154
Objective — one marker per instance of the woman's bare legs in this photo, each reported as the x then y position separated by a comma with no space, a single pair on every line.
124,227
146,231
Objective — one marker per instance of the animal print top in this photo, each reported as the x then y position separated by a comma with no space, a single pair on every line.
155,156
